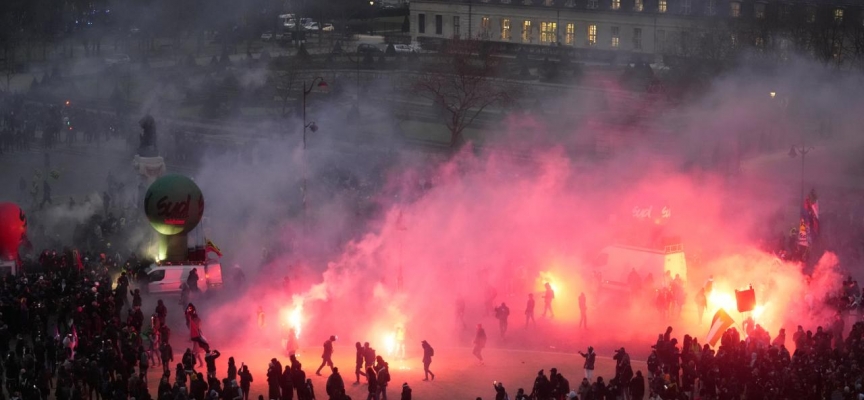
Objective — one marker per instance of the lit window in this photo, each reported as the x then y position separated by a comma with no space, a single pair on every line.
548,32
484,27
638,5
616,4
571,34
711,7
838,15
592,35
759,10
637,38
616,37
526,32
735,9
686,6
505,29
661,6
592,4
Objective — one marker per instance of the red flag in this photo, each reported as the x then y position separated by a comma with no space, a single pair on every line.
78,260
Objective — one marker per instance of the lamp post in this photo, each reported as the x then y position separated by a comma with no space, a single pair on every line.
321,84
794,152
311,125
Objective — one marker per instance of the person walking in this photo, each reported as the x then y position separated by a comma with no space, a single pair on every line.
327,355
479,343
529,310
502,313
590,358
428,353
383,379
358,366
547,301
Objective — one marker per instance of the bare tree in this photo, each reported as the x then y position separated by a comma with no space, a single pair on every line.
283,83
462,83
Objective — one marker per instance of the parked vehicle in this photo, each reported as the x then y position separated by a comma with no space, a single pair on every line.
364,48
167,279
403,48
117,59
267,36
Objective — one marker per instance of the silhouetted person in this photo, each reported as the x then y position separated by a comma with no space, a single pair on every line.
637,386
428,353
502,312
358,366
335,386
529,310
479,342
590,358
327,355
547,301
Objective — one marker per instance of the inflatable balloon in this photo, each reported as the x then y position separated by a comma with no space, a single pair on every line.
13,228
174,205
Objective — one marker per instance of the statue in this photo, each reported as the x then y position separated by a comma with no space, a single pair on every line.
147,162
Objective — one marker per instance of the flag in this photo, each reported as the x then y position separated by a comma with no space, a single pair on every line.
719,324
78,260
212,247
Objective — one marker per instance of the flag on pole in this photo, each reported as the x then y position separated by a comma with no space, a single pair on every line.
719,324
212,247
78,262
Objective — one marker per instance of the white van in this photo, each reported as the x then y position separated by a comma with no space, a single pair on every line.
167,279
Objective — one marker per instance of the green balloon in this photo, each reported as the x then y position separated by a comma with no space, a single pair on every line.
174,204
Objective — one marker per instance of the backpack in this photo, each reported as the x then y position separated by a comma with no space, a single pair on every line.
384,375
431,351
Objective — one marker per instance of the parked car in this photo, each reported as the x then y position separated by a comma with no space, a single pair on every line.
368,48
403,48
267,36
312,26
328,28
117,59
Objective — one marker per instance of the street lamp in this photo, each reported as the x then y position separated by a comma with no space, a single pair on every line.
794,152
322,85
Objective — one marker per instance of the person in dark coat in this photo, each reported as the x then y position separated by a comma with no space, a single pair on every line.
245,380
428,352
358,367
274,372
479,342
192,280
298,378
500,393
327,355
372,380
590,358
637,386
286,383
335,385
406,391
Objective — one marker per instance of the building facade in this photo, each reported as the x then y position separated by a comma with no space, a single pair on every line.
703,28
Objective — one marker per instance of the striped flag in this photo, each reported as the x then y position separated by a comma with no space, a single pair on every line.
719,324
